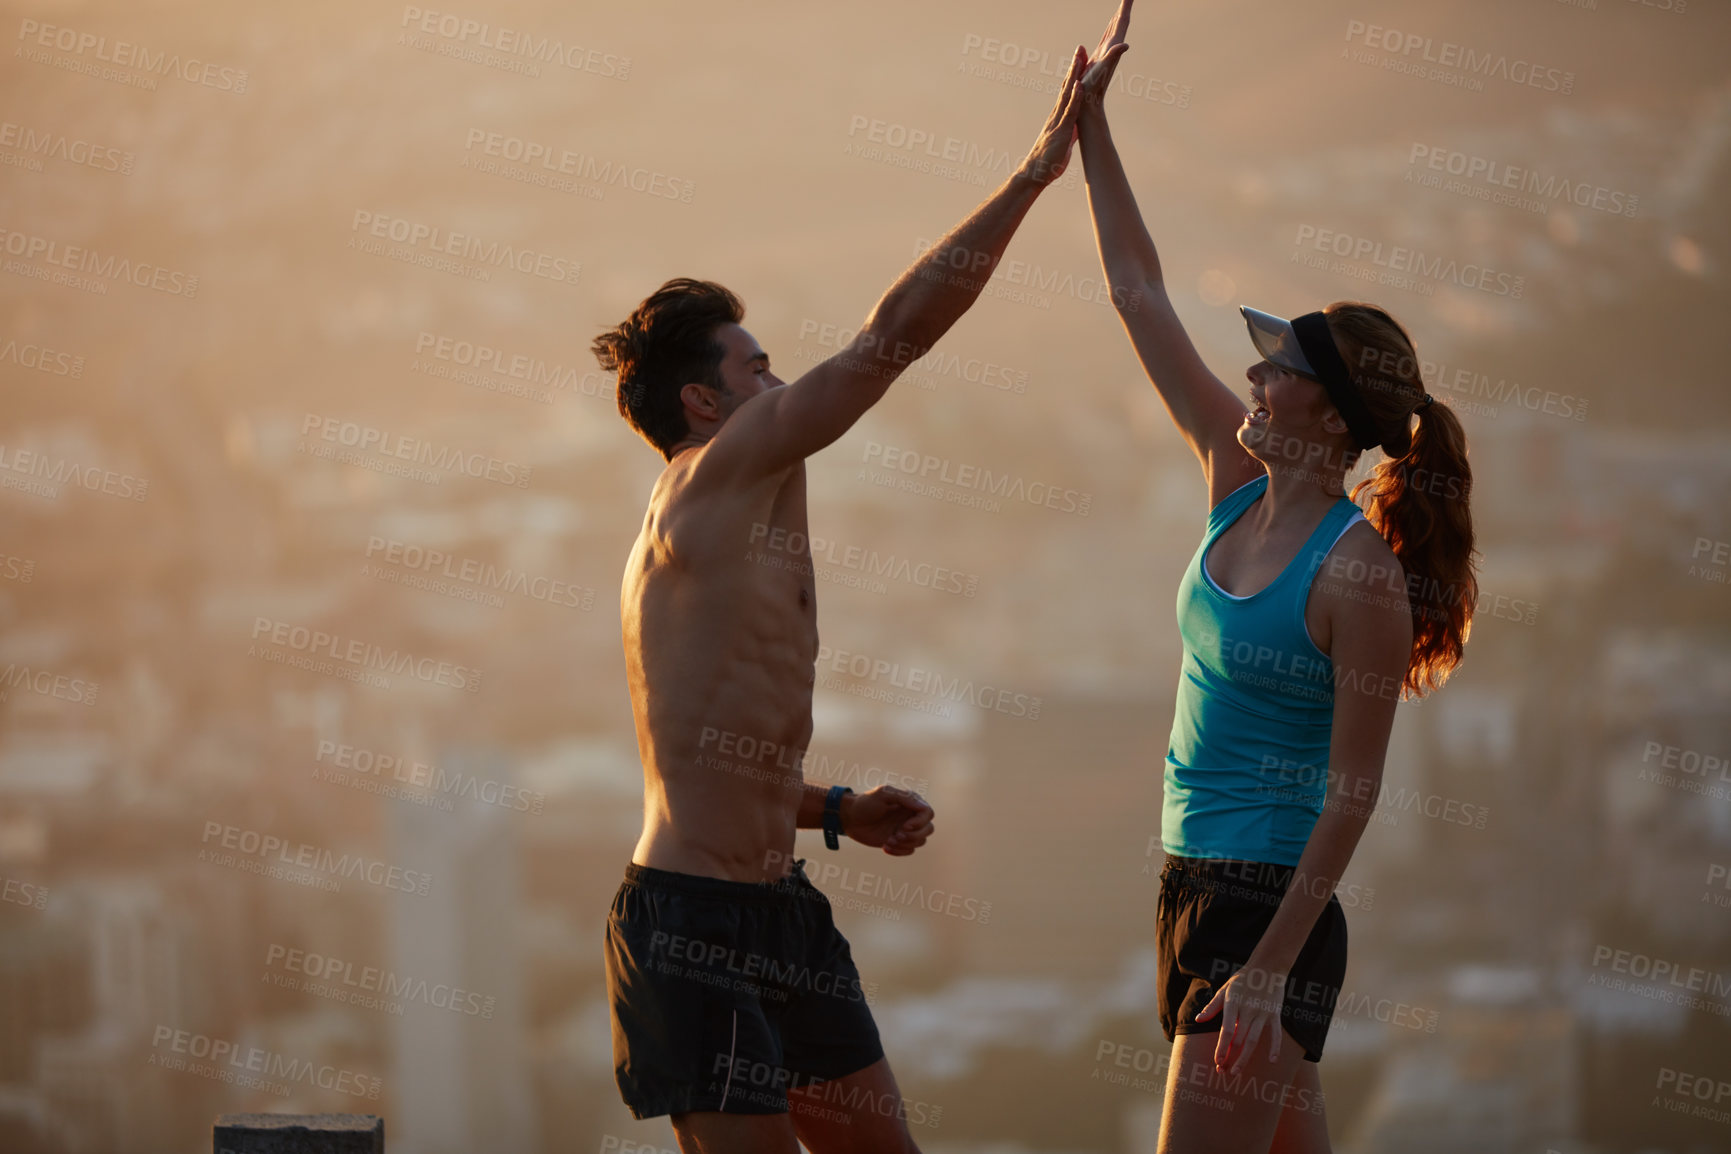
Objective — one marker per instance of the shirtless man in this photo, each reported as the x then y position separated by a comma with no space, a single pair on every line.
736,1006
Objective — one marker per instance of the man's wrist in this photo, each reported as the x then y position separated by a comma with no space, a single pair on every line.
1027,177
834,824
845,813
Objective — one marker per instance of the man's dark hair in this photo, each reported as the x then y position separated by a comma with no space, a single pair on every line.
665,344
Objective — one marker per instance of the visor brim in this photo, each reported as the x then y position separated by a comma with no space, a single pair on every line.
1275,340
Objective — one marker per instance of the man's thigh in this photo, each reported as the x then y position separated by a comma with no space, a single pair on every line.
1211,1111
860,1113
707,1132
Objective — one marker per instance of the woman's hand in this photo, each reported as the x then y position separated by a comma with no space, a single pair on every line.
1098,78
1249,1006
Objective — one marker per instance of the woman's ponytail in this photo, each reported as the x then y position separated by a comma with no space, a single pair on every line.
1418,496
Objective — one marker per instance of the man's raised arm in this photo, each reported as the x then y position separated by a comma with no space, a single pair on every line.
783,426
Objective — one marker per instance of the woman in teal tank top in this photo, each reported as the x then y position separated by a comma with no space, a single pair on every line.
1305,618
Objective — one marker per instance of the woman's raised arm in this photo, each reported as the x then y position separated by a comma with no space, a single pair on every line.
1207,413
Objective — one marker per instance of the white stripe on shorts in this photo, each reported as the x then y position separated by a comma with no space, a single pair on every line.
732,1047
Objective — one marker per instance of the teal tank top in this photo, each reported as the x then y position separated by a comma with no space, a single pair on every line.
1247,767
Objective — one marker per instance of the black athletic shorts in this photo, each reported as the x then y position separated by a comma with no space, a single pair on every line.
1212,914
726,995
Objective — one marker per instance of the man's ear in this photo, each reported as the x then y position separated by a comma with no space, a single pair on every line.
1333,422
701,401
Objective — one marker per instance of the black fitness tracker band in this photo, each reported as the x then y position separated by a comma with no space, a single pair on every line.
832,815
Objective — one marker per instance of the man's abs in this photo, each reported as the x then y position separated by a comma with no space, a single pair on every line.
720,645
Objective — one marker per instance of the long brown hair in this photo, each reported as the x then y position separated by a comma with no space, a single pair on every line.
1418,496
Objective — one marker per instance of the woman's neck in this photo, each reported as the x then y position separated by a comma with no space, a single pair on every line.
1296,491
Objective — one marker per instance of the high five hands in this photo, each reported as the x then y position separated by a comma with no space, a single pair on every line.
1085,85
1104,61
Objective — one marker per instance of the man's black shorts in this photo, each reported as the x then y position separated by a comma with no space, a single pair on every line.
725,995
1212,914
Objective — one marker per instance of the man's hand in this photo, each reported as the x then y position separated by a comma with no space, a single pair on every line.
899,820
1050,155
1104,62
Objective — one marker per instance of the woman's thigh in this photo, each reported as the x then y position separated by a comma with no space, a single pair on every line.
1303,1125
1213,1111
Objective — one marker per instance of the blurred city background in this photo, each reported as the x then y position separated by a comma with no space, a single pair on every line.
293,336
